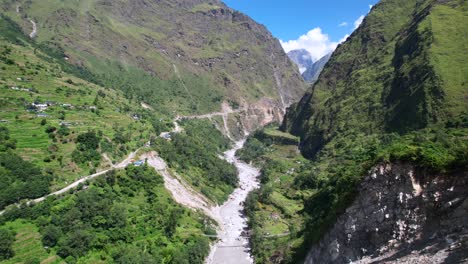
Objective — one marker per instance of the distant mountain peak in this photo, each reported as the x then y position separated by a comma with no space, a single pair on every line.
302,58
312,73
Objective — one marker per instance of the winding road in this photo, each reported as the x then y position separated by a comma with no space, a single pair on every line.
82,180
232,246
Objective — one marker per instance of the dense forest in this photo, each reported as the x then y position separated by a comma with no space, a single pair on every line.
124,217
19,179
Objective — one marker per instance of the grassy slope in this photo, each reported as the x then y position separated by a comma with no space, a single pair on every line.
391,75
447,53
50,83
28,246
137,52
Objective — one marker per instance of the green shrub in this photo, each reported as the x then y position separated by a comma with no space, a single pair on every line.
7,238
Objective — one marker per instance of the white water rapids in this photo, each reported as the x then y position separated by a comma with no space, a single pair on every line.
232,247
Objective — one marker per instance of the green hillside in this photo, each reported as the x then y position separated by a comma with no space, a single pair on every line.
400,71
45,111
178,56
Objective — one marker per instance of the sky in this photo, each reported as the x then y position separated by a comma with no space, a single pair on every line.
315,25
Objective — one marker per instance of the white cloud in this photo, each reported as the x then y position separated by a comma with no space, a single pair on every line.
358,22
315,42
370,6
344,38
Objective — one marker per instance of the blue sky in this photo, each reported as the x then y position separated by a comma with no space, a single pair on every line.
317,26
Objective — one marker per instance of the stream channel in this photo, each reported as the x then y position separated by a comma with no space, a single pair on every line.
233,246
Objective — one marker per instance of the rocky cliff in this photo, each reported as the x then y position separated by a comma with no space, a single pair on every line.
401,215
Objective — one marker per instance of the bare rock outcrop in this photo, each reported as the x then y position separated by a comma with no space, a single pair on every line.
254,116
401,215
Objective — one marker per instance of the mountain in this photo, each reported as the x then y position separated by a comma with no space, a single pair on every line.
302,58
394,77
382,132
312,72
309,69
176,55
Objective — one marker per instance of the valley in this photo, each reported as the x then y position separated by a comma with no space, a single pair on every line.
181,132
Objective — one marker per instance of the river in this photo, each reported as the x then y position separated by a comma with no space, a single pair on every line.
232,247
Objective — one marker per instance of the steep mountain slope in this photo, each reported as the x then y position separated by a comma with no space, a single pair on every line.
393,96
178,55
392,75
302,58
312,73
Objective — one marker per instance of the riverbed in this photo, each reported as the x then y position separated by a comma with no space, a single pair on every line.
232,247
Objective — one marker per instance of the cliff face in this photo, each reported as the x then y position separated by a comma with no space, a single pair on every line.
401,215
255,117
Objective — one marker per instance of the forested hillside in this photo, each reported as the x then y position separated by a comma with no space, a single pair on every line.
123,217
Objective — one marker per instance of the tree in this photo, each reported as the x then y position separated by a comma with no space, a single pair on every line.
75,244
171,223
197,250
132,255
7,238
88,140
51,235
5,141
63,130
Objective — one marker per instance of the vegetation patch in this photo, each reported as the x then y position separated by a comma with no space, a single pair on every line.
124,216
195,154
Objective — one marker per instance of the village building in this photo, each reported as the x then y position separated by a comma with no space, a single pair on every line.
138,163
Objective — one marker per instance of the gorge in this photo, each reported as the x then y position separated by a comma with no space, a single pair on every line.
179,131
